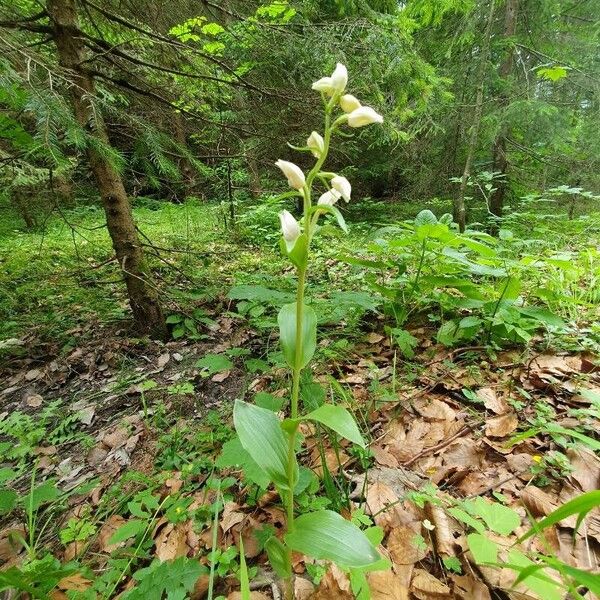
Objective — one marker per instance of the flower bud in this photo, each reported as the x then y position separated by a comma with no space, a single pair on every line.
349,103
289,227
339,78
335,84
316,143
342,186
362,116
323,85
329,198
293,172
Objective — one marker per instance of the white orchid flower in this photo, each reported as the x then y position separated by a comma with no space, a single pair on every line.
362,116
329,198
342,185
293,172
335,84
349,103
289,228
316,143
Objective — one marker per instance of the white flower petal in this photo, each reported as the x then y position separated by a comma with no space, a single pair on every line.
342,185
316,143
349,103
329,198
362,116
339,78
293,172
289,226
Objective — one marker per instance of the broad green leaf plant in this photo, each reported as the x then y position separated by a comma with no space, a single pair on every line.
272,443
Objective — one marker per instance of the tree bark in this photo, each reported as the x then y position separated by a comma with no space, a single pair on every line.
499,156
459,212
147,312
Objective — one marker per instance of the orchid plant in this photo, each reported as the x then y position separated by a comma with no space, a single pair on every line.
272,443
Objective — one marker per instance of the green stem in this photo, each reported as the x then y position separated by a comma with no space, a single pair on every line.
308,226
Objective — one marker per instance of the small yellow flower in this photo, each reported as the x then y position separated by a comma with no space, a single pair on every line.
537,459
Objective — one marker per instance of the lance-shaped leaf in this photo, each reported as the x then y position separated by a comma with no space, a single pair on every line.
287,334
340,420
277,554
335,211
263,439
581,506
296,251
325,535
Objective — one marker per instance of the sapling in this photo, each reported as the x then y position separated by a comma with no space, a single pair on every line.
272,443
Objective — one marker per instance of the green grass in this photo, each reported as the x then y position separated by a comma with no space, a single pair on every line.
60,279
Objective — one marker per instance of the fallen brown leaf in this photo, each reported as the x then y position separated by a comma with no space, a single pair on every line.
427,587
405,546
76,582
334,585
502,425
106,532
469,588
383,457
171,541
231,516
492,402
387,585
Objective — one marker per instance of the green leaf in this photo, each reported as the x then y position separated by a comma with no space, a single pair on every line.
449,333
8,500
333,210
537,582
259,293
297,251
542,315
591,442
466,518
287,334
583,578
244,579
405,341
234,455
552,73
7,474
425,217
578,506
268,401
47,492
212,29
483,549
261,436
326,535
127,530
172,579
340,420
497,517
277,554
214,363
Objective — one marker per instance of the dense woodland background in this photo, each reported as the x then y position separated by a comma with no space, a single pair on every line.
486,103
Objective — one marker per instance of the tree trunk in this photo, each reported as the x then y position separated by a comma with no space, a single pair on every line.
459,211
143,298
499,156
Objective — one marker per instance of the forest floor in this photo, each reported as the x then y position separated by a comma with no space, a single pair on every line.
124,445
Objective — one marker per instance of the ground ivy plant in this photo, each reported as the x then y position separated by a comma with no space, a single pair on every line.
270,442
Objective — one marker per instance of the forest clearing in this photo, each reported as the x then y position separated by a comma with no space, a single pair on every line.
300,300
